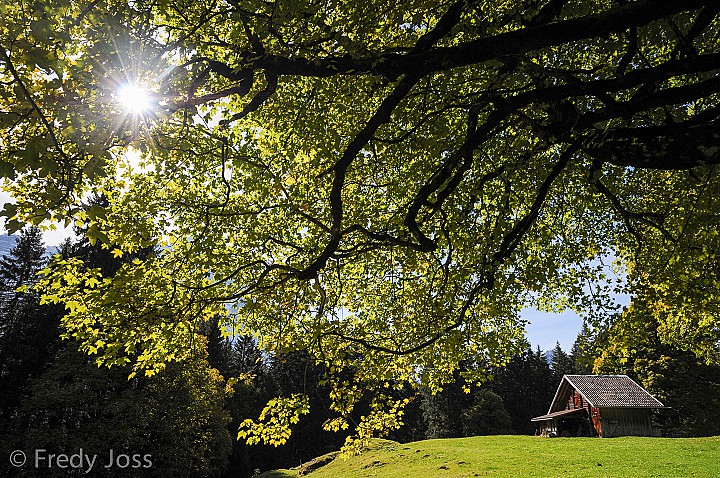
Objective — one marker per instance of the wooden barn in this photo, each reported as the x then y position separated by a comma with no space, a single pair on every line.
599,405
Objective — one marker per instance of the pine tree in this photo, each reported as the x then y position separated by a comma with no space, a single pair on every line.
526,386
582,351
443,411
69,403
486,415
176,417
561,363
28,331
19,269
218,346
245,356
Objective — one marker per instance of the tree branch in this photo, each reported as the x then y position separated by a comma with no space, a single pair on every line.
513,238
423,60
381,116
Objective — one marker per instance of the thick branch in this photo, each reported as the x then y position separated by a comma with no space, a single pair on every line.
446,23
513,238
258,100
600,88
703,20
382,237
423,60
670,147
630,53
381,116
548,12
447,173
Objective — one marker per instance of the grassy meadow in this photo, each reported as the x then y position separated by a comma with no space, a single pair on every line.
524,456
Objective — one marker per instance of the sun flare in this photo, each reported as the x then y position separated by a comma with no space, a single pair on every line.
135,98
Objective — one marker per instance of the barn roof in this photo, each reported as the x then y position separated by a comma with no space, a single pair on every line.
604,391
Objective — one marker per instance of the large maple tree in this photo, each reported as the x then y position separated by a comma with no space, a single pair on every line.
382,185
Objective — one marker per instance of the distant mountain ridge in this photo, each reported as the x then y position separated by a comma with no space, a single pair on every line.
8,242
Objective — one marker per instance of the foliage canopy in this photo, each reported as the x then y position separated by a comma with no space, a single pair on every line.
382,185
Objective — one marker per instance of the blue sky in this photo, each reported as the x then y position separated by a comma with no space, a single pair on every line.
547,329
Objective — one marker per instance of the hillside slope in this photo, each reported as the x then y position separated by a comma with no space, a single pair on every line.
523,456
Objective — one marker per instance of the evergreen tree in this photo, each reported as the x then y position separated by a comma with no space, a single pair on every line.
18,273
486,416
582,354
561,363
68,403
28,331
413,428
25,260
526,386
248,398
296,373
219,347
176,417
462,409
245,356
443,411
688,386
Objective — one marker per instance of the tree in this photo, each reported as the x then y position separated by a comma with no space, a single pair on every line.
28,331
581,353
561,363
296,374
177,418
55,398
443,411
18,274
246,357
249,396
381,186
526,386
684,383
486,416
20,268
219,347
460,410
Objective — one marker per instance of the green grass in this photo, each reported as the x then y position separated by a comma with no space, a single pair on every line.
522,456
